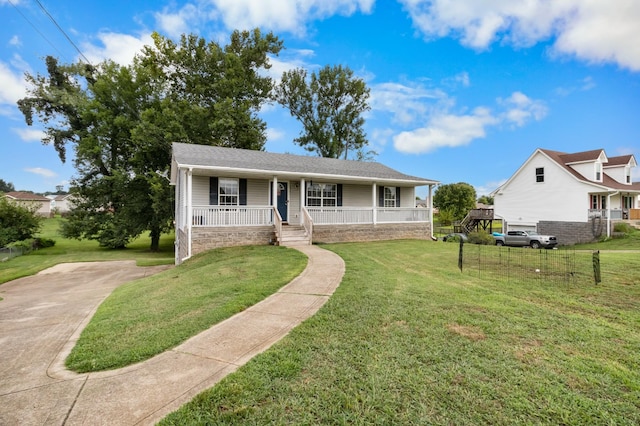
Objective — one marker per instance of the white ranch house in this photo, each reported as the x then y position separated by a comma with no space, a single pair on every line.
575,196
228,197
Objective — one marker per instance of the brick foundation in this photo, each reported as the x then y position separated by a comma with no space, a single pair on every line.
569,233
378,232
204,239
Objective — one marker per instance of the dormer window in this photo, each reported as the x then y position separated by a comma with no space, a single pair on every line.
598,172
539,174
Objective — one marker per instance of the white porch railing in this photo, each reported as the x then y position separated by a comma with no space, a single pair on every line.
307,222
354,215
232,216
604,214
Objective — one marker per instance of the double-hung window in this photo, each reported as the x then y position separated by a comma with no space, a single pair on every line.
228,190
539,174
322,195
390,196
598,172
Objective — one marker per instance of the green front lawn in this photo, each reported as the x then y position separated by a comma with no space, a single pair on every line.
67,250
408,339
148,316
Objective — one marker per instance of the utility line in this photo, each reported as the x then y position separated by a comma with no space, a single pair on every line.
62,31
36,28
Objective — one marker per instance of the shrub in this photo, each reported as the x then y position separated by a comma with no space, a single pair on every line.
482,238
454,239
622,227
445,217
39,243
17,223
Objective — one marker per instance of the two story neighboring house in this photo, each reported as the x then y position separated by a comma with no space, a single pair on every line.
227,197
574,196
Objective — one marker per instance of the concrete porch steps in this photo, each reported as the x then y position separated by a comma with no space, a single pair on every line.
293,235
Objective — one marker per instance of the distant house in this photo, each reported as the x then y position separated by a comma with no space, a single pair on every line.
40,203
575,196
60,203
227,197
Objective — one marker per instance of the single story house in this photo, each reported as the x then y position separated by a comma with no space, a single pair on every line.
575,196
39,203
228,197
61,203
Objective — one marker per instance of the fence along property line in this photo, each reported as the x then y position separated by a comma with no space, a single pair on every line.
517,264
7,253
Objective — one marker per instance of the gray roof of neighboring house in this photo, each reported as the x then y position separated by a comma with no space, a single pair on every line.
219,158
25,196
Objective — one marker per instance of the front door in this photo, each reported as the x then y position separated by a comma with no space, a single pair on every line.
283,200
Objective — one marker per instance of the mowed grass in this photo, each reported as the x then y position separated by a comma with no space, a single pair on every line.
408,339
69,250
148,316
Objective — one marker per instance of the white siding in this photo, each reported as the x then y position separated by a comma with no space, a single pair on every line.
294,202
357,195
588,170
407,197
200,190
560,197
257,192
617,173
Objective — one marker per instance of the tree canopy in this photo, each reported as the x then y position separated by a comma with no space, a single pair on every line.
6,186
17,222
455,198
121,121
329,104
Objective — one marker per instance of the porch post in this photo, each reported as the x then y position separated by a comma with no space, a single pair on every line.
373,202
189,207
430,207
303,192
274,193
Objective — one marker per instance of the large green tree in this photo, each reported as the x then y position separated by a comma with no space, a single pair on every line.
330,105
121,121
455,198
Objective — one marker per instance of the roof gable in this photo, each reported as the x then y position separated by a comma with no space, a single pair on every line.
583,157
221,158
622,160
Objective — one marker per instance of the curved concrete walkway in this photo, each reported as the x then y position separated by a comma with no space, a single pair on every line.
42,316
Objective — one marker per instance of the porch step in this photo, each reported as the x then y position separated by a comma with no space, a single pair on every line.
293,236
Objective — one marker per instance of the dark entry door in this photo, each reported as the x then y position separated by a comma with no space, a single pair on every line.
282,200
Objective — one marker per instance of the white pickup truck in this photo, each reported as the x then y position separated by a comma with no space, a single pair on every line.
525,238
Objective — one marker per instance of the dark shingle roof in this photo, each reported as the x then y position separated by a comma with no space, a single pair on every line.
214,157
563,159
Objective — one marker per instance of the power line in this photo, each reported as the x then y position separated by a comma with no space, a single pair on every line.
36,28
46,12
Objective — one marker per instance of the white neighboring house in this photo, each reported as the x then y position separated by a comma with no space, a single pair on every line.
575,196
60,203
40,203
227,197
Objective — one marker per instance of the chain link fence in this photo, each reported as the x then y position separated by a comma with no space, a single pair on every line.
7,253
521,264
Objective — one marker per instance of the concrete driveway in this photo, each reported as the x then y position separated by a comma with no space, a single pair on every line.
42,316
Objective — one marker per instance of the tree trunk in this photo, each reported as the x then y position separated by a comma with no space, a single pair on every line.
155,239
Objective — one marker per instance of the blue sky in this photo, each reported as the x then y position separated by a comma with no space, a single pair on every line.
461,90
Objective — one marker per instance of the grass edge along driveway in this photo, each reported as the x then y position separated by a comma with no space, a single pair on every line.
148,316
408,339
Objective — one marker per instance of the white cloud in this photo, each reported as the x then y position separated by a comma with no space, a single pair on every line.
42,172
13,85
284,15
30,135
274,134
446,130
180,22
120,48
489,187
15,41
407,102
591,30
522,109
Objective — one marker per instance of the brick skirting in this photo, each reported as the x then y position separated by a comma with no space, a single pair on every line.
378,232
569,233
204,239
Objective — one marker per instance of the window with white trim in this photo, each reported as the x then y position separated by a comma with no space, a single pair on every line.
598,172
228,190
539,174
627,202
390,196
322,195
